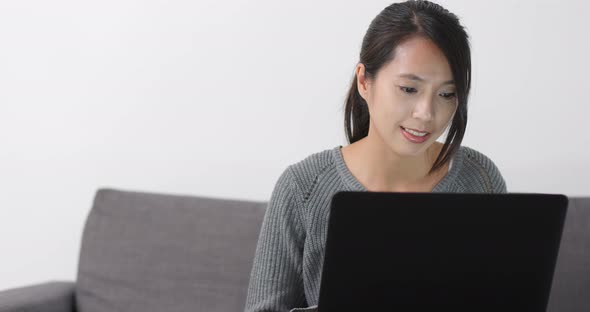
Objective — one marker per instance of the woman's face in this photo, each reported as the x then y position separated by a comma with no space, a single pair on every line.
413,91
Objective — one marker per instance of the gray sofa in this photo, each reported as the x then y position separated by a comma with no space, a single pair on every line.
155,252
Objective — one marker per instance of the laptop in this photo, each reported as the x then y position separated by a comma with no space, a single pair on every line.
441,251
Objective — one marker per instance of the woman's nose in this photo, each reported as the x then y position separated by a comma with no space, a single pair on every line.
424,109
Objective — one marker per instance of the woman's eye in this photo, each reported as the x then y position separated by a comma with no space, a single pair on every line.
408,89
448,95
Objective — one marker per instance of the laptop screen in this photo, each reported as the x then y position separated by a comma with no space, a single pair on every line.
462,252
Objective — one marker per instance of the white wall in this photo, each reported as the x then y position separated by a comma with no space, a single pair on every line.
217,98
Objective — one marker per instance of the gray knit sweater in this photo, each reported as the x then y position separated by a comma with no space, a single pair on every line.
290,251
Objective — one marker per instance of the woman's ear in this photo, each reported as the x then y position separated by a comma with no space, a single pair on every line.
362,83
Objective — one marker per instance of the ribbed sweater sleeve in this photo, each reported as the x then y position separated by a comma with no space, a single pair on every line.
276,279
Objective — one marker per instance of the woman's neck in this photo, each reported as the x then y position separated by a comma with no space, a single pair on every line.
378,168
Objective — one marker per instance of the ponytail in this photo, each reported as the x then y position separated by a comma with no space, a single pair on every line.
356,114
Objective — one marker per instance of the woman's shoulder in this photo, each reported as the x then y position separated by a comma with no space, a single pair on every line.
308,169
478,167
301,178
475,157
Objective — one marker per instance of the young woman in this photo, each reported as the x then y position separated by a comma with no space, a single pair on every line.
411,84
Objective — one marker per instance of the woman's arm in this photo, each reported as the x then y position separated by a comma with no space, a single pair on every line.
276,282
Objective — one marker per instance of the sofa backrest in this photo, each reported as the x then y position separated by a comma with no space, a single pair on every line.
570,291
154,252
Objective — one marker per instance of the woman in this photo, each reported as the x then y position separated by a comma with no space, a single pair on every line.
411,84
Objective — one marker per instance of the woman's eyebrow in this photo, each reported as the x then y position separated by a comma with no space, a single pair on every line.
420,79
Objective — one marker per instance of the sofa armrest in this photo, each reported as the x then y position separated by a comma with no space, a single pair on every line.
46,297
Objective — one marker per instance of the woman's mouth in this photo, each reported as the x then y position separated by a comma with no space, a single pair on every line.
414,136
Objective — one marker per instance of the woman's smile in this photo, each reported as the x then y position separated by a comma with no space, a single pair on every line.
414,137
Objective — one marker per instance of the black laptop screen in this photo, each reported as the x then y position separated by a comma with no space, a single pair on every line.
460,252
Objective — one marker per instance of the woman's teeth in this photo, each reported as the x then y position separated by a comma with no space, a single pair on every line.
420,134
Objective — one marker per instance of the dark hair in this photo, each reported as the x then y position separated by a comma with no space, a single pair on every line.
393,25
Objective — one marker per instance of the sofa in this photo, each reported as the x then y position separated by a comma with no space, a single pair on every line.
160,252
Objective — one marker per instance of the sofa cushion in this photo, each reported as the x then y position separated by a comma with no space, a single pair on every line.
153,252
570,291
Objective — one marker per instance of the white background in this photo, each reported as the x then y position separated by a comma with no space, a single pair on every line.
216,98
